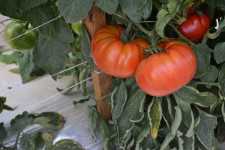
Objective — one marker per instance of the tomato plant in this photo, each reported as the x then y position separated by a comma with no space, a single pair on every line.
195,26
168,96
13,30
115,57
166,72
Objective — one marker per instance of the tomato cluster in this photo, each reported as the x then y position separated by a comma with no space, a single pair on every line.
159,74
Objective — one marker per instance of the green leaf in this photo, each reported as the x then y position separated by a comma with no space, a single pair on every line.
205,129
67,144
165,15
136,10
99,125
155,116
104,131
126,137
222,24
47,15
21,121
30,4
203,53
17,8
30,141
188,114
10,57
216,4
143,134
174,128
74,10
52,49
189,143
223,111
219,53
163,18
94,117
51,120
191,95
26,66
3,133
211,75
221,78
108,6
131,109
50,54
119,99
167,111
180,140
54,40
86,44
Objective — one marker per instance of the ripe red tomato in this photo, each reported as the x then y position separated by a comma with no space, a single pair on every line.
195,27
166,72
115,57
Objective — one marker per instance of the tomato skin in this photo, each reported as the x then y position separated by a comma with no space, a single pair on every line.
195,27
166,72
14,29
114,57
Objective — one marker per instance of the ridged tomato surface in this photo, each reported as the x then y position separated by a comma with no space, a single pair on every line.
166,72
115,57
195,27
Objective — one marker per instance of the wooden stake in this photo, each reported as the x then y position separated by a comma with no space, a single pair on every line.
102,82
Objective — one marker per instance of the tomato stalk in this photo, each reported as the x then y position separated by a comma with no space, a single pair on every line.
147,32
208,83
151,34
181,35
125,35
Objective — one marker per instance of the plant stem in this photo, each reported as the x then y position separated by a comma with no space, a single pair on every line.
207,83
214,35
148,21
129,27
120,16
181,35
147,32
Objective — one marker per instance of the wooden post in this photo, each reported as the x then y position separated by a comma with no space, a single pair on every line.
102,82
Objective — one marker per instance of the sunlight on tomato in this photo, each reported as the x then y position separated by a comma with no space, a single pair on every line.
115,57
13,30
166,72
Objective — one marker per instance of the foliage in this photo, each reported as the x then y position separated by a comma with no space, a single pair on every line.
10,57
67,145
186,119
34,131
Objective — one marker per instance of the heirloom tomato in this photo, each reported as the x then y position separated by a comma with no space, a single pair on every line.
114,56
167,71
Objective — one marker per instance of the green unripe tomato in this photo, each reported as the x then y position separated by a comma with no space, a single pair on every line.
76,27
14,29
